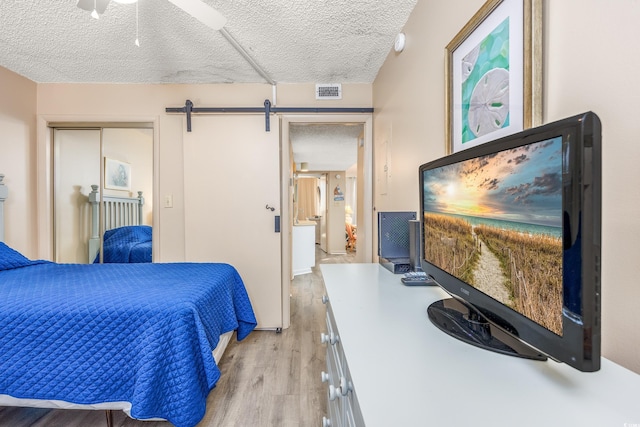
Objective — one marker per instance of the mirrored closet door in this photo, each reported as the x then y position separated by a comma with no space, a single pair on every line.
117,161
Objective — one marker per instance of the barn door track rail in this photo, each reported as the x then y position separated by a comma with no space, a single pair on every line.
189,109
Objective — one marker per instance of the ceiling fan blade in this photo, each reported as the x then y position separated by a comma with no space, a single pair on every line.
88,5
202,12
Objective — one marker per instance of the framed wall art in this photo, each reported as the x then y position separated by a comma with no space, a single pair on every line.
493,74
117,175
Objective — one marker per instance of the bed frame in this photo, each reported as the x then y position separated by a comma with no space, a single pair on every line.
117,211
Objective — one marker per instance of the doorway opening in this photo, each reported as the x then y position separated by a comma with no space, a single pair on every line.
364,218
325,164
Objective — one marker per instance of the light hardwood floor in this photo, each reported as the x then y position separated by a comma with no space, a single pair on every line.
268,379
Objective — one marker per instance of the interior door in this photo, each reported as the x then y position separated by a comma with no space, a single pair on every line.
232,199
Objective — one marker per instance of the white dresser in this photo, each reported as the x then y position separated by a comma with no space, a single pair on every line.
342,402
389,366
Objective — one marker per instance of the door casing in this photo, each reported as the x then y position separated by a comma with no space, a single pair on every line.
365,214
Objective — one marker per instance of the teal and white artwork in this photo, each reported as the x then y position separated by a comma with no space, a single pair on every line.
485,78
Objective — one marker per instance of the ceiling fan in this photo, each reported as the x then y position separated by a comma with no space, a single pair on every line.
196,8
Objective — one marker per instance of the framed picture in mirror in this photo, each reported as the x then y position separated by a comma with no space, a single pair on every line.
117,175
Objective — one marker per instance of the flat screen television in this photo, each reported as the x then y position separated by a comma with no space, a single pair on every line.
511,231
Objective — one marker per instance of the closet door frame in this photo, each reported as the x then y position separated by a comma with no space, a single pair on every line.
44,178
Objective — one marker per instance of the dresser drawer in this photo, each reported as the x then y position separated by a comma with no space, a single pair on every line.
342,403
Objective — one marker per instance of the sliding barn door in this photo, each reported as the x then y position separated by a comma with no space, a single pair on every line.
232,197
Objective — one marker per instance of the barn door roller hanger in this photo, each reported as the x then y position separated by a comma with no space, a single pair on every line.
189,109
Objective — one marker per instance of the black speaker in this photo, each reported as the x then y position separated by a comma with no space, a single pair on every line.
414,245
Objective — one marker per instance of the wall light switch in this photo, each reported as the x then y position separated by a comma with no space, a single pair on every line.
168,201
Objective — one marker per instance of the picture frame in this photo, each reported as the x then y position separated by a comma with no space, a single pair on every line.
493,74
117,175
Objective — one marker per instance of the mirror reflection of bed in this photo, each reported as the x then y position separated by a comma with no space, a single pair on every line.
79,155
126,239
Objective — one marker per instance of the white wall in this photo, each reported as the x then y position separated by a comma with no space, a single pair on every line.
336,242
589,64
17,159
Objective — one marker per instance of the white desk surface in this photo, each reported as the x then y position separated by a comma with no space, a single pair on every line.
406,372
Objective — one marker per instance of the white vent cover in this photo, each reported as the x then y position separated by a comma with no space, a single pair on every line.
328,91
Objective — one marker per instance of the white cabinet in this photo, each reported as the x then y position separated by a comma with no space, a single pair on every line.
303,256
400,370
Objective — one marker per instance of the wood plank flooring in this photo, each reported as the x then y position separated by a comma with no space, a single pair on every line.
268,379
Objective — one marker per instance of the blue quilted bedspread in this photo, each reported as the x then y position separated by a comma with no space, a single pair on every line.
130,243
141,333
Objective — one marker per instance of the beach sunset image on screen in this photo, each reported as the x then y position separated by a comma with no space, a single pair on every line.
495,222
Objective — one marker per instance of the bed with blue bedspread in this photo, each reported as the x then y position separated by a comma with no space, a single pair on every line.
128,244
136,333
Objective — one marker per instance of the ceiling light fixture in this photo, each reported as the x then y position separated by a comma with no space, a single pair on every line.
304,166
94,13
137,39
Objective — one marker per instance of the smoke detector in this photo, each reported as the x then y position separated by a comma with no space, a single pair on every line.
400,42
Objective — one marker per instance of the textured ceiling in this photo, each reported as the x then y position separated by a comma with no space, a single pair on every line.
325,147
320,41
311,41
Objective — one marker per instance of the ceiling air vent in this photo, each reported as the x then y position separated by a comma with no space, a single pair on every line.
328,91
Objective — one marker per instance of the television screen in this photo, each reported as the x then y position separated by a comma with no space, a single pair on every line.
511,229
